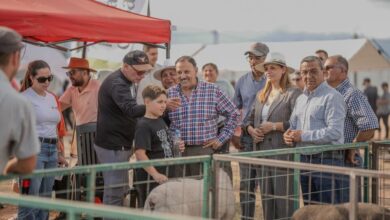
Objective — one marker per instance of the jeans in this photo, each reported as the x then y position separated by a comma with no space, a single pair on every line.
345,183
247,182
318,187
116,182
41,186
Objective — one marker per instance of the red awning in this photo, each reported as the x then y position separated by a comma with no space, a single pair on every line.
81,20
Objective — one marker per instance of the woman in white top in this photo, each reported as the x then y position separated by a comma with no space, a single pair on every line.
268,120
34,88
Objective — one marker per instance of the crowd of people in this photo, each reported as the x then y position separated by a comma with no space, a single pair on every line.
143,106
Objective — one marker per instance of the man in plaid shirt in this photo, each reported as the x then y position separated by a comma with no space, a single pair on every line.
200,105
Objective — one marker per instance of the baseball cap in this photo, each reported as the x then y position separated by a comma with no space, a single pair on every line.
258,49
138,59
10,40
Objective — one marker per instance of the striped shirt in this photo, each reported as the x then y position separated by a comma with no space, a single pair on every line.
360,116
320,115
197,117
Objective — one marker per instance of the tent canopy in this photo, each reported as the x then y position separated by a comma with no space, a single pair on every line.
361,53
81,20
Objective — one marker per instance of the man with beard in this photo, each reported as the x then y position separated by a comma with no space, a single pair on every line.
82,96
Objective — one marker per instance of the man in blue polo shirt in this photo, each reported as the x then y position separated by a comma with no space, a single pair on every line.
245,92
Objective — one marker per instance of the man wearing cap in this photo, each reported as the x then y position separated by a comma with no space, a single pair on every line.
82,96
245,92
116,120
18,135
152,53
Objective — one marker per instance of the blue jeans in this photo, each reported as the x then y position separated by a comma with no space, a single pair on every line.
247,182
345,183
318,187
116,182
41,186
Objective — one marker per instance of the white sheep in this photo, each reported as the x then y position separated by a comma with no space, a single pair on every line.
184,196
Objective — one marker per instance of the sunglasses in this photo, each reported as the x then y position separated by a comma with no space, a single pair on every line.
256,58
139,73
44,79
72,72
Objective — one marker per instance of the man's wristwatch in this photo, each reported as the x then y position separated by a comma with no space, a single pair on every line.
274,126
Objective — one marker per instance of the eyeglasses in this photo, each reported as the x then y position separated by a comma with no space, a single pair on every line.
311,71
296,79
72,72
139,73
43,79
256,58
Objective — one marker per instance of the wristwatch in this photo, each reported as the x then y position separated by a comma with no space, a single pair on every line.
274,126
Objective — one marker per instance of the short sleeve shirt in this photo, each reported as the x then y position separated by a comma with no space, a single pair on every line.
153,136
17,134
84,104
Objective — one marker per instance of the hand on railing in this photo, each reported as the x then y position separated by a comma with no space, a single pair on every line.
160,178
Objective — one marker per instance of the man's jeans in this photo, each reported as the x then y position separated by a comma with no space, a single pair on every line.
116,182
319,187
42,186
345,183
247,182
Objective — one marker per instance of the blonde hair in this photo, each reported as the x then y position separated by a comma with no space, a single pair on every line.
284,84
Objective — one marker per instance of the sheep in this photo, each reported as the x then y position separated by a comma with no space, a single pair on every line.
184,196
341,212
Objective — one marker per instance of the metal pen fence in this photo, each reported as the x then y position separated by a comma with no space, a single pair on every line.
294,199
212,180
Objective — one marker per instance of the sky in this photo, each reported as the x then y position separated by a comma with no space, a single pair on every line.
368,18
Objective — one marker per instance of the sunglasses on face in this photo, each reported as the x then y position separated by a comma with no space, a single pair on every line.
256,58
72,72
44,79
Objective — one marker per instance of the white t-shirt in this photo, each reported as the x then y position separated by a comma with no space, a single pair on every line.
46,113
264,113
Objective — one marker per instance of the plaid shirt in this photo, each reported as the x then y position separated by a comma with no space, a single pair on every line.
197,118
360,116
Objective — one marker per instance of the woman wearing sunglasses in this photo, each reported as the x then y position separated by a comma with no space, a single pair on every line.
49,129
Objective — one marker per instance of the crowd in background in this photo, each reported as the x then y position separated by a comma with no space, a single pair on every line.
168,111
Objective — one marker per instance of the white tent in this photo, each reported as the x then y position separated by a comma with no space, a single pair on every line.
361,53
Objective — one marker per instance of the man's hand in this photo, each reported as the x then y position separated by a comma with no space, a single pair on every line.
236,142
213,143
351,157
160,178
256,134
288,138
266,127
173,103
296,135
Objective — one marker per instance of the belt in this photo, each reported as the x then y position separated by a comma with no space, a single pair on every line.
48,140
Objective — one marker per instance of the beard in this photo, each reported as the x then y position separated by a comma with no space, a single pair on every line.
77,83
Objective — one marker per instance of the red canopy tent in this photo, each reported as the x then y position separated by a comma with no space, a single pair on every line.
52,22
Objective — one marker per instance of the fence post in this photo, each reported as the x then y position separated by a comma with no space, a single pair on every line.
206,187
366,166
297,158
215,191
374,181
353,197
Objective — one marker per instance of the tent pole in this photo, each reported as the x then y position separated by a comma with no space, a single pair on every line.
84,53
167,50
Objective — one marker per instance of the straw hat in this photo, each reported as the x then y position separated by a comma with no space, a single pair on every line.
274,58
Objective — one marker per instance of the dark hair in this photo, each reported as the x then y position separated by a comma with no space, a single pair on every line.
310,59
385,84
32,69
212,66
147,47
188,59
367,80
4,58
322,51
153,92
